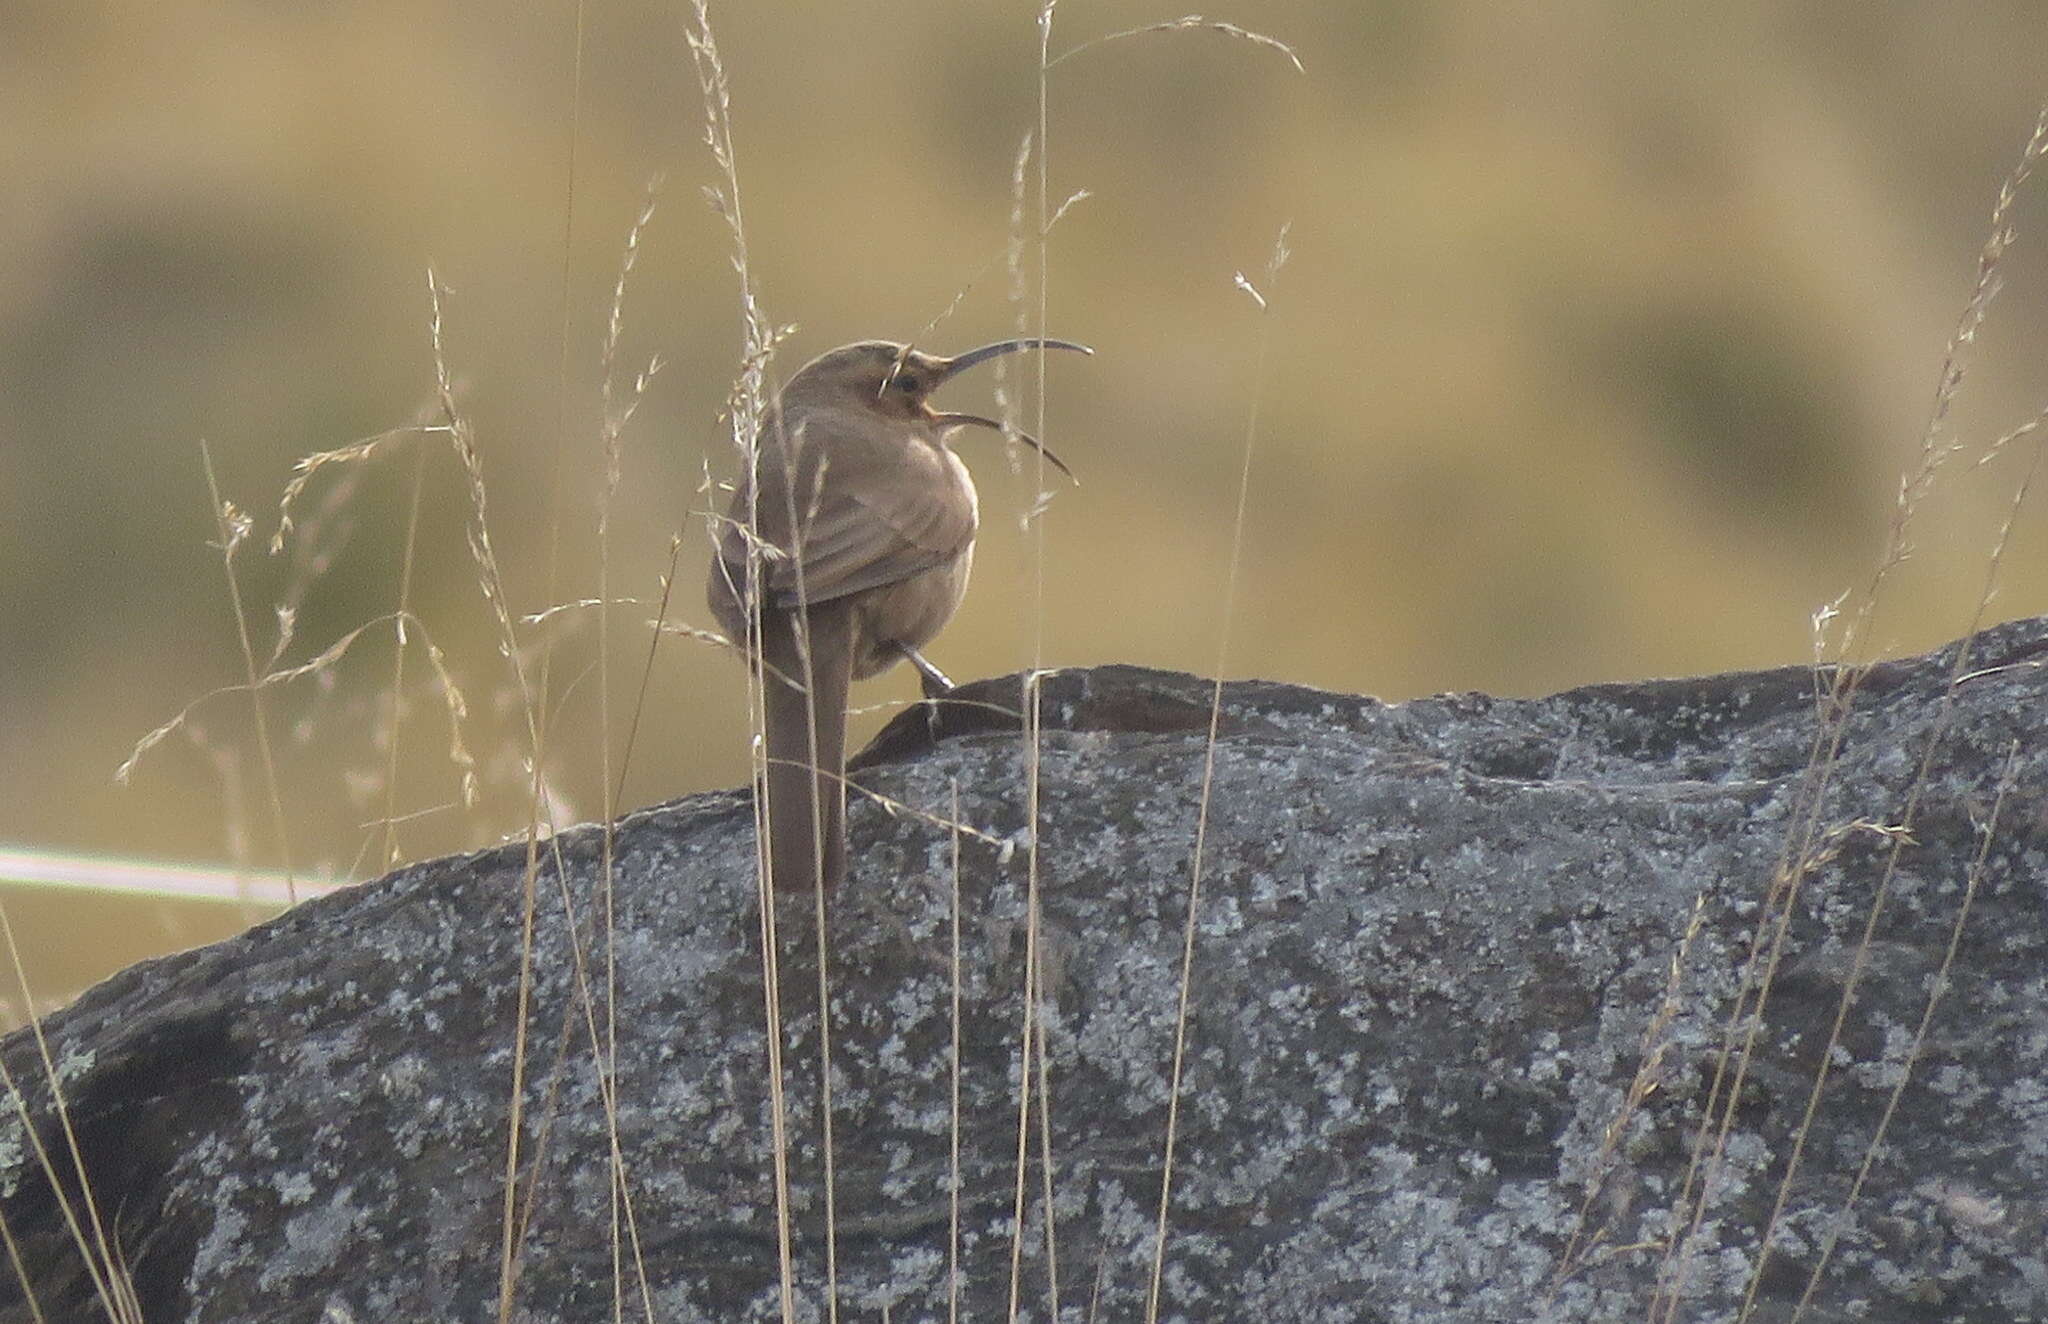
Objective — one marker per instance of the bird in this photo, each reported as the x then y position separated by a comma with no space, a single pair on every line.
845,550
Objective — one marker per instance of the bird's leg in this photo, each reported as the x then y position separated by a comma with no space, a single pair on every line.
935,683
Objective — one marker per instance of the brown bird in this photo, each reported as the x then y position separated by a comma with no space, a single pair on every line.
863,519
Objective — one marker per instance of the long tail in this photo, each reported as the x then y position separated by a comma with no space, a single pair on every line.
807,746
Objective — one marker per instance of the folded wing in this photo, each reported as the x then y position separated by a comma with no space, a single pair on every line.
843,537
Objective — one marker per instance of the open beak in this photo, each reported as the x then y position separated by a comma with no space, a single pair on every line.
961,362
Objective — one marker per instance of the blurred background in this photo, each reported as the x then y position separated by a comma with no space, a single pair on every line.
1608,332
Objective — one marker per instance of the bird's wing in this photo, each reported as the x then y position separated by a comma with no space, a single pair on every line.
870,509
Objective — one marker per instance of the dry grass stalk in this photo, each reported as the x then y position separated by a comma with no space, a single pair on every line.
1196,860
354,453
1186,23
96,1251
1898,843
322,663
747,406
1028,1037
1987,833
1648,1078
1834,702
491,582
232,527
615,416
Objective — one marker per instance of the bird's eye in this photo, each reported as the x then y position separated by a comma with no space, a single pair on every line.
904,382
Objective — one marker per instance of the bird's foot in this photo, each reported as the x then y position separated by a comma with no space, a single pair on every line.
935,684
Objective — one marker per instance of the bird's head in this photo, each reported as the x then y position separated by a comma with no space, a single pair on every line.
895,380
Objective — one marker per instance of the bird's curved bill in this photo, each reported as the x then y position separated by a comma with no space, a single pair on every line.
962,362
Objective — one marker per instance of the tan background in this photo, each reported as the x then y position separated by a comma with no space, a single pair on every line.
1608,331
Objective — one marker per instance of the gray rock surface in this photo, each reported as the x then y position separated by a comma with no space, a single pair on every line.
1437,943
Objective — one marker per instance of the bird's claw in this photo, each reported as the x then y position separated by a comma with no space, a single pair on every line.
935,685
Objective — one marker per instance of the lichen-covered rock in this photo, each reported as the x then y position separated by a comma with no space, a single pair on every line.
1464,971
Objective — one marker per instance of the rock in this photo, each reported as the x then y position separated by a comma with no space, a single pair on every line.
1464,969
